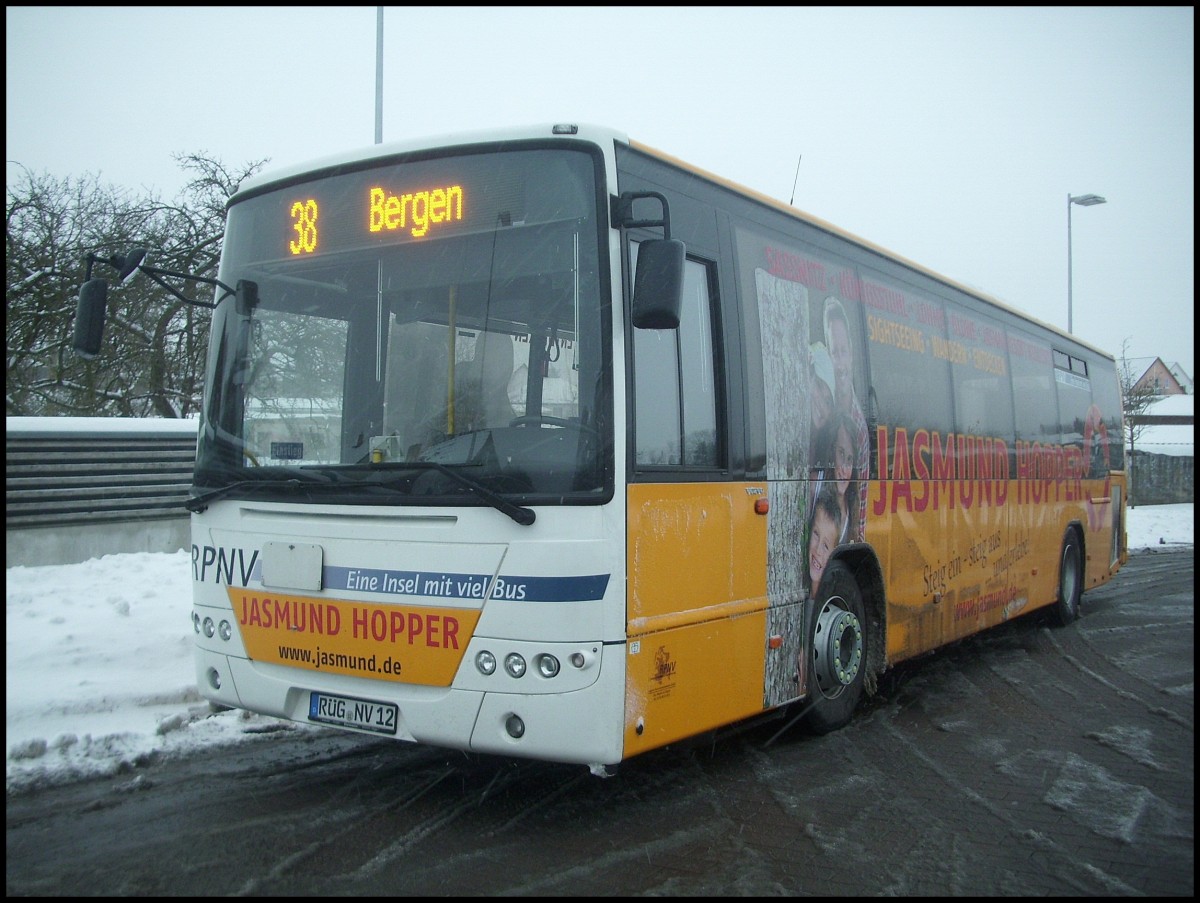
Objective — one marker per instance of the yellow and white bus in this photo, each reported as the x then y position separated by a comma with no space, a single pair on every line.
542,443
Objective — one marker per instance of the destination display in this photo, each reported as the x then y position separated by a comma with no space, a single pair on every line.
411,203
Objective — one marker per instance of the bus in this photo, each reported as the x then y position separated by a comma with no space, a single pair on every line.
542,443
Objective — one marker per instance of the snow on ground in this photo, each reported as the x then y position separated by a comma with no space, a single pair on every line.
98,661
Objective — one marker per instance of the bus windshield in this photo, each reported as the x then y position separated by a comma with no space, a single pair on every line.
414,317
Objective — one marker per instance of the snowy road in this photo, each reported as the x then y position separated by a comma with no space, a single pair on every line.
1028,761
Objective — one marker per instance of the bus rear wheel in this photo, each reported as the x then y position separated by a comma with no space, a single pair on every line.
837,651
1070,580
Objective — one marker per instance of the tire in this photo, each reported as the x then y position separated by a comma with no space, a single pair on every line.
837,651
1070,580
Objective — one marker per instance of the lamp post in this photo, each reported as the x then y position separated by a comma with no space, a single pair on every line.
1083,200
378,77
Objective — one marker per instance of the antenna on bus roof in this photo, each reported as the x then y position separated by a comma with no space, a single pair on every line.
796,180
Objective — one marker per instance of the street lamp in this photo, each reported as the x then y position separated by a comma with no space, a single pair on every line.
1083,200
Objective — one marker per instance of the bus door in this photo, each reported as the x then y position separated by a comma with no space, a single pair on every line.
696,549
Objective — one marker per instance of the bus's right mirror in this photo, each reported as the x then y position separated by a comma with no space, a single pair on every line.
658,284
89,317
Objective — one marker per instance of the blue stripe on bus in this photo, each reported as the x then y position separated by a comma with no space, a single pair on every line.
577,588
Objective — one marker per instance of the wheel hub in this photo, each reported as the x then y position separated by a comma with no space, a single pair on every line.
837,648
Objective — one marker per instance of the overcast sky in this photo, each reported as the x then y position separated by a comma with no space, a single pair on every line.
950,136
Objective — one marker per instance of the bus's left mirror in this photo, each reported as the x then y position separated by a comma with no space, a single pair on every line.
89,317
247,297
658,284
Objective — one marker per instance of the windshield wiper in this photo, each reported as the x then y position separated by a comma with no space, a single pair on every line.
523,516
200,502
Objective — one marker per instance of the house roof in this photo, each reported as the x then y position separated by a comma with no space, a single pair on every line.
1143,366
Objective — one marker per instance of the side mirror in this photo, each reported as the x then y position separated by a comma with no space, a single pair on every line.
89,317
247,297
658,284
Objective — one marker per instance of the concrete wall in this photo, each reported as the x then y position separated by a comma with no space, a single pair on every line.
84,487
1161,479
34,546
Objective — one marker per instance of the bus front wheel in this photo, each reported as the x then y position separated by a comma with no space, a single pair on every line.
1070,580
837,650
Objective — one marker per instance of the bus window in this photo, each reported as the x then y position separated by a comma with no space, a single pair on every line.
675,375
1074,398
307,353
910,358
1106,396
983,403
1033,389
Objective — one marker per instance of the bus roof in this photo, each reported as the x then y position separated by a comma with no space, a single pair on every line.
858,240
600,135
605,137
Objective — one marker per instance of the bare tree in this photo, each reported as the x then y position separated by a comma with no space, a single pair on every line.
1135,399
154,346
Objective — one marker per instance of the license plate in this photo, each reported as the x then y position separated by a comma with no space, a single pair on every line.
346,711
